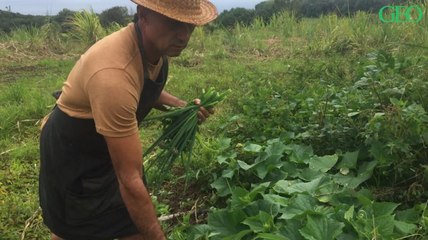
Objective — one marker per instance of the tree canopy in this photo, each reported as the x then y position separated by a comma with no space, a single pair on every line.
9,21
301,8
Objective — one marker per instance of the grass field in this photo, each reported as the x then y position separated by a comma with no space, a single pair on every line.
336,107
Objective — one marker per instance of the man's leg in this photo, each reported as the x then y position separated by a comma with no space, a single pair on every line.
55,237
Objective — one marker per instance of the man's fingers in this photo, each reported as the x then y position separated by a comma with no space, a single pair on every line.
201,117
203,113
197,101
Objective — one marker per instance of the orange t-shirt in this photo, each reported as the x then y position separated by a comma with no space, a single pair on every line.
106,83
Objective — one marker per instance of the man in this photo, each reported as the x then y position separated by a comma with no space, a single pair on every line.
91,170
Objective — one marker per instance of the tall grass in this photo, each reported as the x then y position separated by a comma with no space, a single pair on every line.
86,27
36,41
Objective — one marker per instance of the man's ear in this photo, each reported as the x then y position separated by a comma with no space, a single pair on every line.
139,10
142,13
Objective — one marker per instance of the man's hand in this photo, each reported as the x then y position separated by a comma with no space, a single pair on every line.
169,100
203,113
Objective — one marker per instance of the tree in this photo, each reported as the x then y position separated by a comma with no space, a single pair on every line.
63,17
265,10
117,15
235,15
10,21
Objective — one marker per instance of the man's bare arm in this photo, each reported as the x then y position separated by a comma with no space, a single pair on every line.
168,99
126,155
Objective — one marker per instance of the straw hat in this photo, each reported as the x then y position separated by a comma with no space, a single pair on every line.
197,12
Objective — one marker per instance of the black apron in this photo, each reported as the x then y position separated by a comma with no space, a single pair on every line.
78,188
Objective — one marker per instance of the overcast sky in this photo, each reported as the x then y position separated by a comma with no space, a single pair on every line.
52,7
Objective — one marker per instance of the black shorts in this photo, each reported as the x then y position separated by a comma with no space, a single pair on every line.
78,189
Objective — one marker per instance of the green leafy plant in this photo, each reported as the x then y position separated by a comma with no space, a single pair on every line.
299,195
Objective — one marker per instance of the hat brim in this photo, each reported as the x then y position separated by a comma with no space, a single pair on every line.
207,14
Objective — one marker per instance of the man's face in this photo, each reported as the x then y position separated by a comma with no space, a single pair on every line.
167,35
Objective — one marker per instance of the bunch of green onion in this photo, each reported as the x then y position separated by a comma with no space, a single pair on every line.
179,133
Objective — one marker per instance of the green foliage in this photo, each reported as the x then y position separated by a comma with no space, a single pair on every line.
63,17
304,8
379,114
86,27
118,15
228,18
312,203
10,21
266,9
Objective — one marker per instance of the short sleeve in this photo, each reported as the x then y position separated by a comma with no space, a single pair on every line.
113,96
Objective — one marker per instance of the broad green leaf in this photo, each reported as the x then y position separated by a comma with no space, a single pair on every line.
272,162
298,206
263,222
258,189
301,154
227,223
221,159
291,229
324,199
378,151
200,231
321,227
290,187
396,102
349,160
263,170
252,148
262,205
240,198
274,198
244,165
349,215
292,169
347,236
384,225
411,215
405,228
224,143
384,208
352,181
309,174
323,163
228,173
352,114
222,186
364,197
262,156
239,235
270,236
277,148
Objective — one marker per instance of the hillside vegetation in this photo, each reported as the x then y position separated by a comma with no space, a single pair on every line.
323,136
